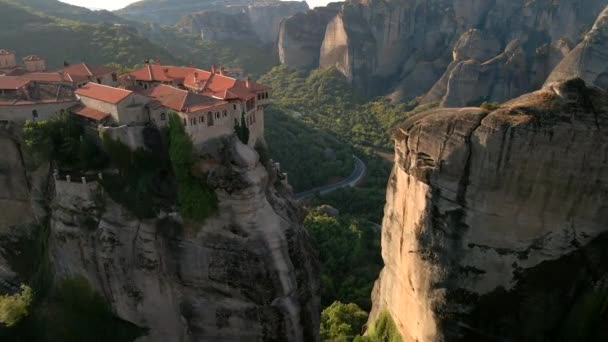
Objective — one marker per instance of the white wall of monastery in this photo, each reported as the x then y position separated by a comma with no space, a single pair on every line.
132,136
35,66
129,111
8,61
22,113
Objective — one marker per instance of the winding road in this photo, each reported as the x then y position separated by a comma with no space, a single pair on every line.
352,180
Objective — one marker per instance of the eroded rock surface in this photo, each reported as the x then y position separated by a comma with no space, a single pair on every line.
496,223
405,46
258,22
248,273
589,60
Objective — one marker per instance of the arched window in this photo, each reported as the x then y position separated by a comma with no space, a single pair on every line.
163,116
234,107
201,119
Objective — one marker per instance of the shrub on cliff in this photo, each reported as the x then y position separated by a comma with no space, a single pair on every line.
62,139
139,184
341,322
13,308
382,330
195,199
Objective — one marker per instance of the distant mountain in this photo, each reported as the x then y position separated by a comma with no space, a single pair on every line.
24,29
169,12
62,10
62,32
259,21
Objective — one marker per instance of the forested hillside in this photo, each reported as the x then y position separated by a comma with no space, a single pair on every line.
29,32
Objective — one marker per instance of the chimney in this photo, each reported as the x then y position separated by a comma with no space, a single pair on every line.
248,82
222,71
213,69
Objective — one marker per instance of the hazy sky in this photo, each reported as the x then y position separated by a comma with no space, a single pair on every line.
116,4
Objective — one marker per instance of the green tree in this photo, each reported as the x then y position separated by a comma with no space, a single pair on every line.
383,329
196,200
13,308
242,131
350,257
341,322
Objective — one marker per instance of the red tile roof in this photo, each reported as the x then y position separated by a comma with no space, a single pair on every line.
88,70
205,82
6,52
33,58
182,100
103,93
90,113
44,77
12,82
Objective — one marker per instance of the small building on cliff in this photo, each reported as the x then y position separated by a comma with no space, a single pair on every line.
99,102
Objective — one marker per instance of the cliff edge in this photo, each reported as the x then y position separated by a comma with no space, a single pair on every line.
496,222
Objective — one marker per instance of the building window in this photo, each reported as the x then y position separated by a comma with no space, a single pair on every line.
99,80
185,122
35,114
225,113
114,77
201,119
217,115
193,121
163,116
234,107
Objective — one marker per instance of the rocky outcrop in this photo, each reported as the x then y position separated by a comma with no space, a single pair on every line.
301,36
402,46
496,223
258,22
589,60
169,12
218,26
247,273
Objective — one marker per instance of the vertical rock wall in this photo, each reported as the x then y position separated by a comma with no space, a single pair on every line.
496,222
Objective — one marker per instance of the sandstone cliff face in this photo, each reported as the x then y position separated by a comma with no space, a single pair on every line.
258,22
301,36
248,273
589,59
496,223
402,46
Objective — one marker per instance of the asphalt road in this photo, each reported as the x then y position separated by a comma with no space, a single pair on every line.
352,180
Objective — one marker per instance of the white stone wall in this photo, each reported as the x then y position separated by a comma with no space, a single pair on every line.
100,106
132,136
75,194
35,66
222,124
131,110
25,112
8,61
